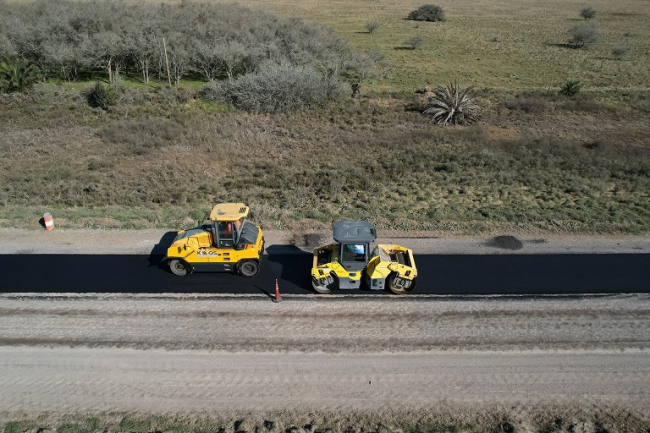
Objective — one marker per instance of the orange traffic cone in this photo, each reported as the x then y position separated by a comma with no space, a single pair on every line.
277,291
48,220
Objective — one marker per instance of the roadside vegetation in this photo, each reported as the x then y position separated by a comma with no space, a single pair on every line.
446,418
165,158
322,124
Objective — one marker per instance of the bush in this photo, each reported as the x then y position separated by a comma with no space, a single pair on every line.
372,26
278,88
414,42
583,35
618,51
101,96
17,76
527,104
454,105
570,88
427,12
587,13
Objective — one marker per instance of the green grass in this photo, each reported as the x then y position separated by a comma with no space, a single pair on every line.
496,44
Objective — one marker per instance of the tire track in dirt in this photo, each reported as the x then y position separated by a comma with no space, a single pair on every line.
69,380
308,325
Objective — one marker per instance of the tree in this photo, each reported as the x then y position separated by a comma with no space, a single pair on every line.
107,49
452,105
179,56
207,59
587,13
114,36
17,76
427,12
583,35
236,58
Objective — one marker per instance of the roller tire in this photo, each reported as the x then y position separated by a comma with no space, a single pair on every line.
331,287
407,287
248,268
179,267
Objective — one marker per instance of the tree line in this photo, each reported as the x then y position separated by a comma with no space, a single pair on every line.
66,40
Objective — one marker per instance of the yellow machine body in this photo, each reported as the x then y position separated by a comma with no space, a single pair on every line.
393,264
226,242
349,264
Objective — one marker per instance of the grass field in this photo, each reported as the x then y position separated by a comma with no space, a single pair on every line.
536,161
503,44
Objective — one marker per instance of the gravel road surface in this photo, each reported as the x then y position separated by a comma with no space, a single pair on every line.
71,380
180,353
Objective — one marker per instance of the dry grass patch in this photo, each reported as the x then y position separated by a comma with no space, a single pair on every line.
580,165
448,417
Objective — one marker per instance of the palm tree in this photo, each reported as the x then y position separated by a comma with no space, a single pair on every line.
17,76
454,105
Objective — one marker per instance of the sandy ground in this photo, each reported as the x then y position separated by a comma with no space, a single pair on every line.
69,380
86,241
179,353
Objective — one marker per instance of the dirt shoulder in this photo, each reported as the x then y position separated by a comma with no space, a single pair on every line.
92,241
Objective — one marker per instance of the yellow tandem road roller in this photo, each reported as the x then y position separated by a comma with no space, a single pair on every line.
226,242
349,262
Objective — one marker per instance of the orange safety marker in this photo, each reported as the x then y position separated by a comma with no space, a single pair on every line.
48,220
277,291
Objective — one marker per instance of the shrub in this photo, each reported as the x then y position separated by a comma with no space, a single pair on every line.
583,35
427,12
101,96
582,103
372,26
570,88
587,13
414,42
618,51
454,105
278,88
527,104
147,133
17,76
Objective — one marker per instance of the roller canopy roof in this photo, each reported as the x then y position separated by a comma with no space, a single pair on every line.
354,231
229,212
